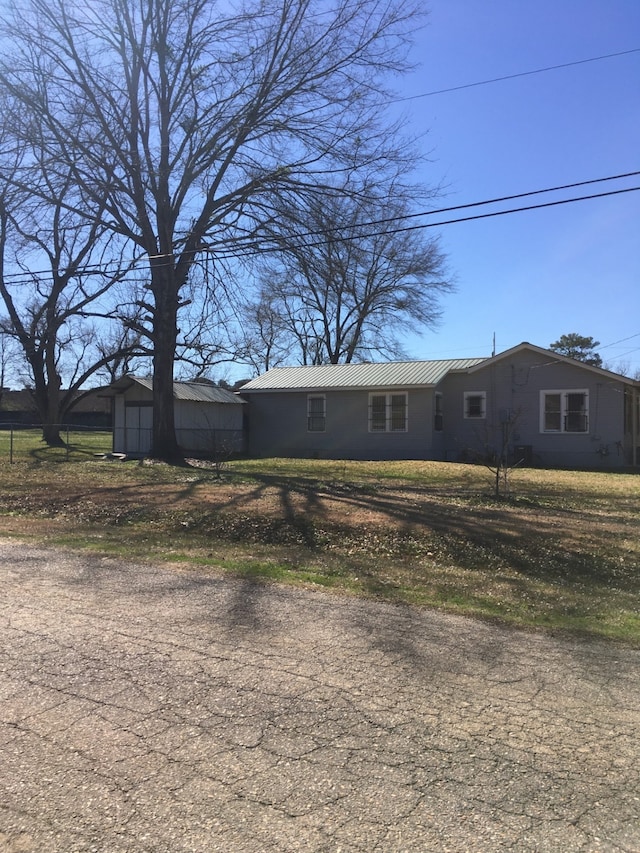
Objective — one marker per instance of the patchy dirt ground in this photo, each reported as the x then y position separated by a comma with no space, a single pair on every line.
563,552
231,507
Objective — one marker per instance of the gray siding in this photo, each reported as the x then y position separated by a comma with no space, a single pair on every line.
278,427
513,385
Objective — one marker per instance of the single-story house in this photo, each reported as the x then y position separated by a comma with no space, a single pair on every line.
209,420
546,409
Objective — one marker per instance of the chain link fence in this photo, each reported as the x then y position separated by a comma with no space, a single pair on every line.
209,442
23,441
20,441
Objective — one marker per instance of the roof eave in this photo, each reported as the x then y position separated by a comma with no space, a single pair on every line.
554,357
313,389
120,386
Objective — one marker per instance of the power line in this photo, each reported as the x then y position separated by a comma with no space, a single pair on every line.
469,205
264,250
362,229
97,269
621,341
514,76
519,209
628,352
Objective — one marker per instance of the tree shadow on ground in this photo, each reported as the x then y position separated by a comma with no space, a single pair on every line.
357,522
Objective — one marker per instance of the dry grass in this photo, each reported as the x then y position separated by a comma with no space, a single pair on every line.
563,554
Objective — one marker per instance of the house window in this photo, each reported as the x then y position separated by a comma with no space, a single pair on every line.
437,412
388,412
475,404
316,413
564,411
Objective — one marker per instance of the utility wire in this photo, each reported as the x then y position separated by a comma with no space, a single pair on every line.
621,341
362,232
96,268
498,200
514,76
255,250
519,209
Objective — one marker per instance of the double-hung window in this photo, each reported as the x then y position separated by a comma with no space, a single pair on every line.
564,411
316,412
388,412
475,404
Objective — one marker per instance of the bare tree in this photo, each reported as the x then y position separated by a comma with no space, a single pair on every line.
57,297
494,448
624,368
504,459
188,116
122,352
8,358
274,331
344,288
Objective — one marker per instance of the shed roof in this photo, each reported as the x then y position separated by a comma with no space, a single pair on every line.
394,374
200,392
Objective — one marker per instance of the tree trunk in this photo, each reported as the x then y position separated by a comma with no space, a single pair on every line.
164,444
46,396
51,434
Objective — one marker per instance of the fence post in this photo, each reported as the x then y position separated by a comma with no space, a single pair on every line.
11,445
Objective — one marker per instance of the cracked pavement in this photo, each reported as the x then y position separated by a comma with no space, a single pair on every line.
153,709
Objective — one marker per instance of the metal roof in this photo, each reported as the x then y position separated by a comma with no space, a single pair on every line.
394,374
200,392
203,393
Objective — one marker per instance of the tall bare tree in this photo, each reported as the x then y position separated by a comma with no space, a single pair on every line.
187,117
57,297
344,287
265,337
8,359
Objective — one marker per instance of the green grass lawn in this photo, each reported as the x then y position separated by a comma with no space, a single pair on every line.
24,445
563,554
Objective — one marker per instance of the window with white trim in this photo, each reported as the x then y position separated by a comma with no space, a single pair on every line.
316,412
564,411
388,412
475,404
437,412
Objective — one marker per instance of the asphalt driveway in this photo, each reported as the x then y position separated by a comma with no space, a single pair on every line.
147,709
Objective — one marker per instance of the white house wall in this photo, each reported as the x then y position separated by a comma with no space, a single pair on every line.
118,425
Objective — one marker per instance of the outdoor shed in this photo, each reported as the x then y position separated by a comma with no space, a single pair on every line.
209,420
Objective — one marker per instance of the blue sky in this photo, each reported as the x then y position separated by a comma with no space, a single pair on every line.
533,276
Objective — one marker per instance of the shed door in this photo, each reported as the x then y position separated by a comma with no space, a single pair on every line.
138,418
